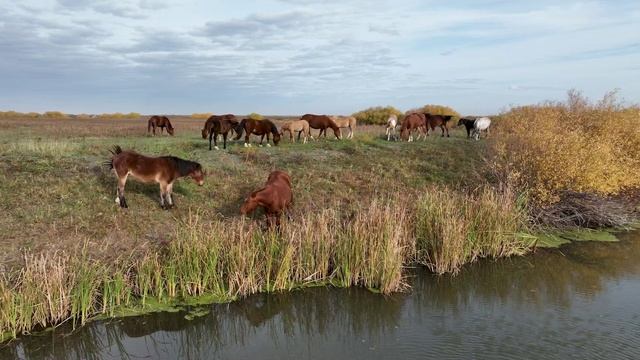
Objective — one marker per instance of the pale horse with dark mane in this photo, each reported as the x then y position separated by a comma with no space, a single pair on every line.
392,123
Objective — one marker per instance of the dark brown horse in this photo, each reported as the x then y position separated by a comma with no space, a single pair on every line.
322,122
468,123
411,122
221,125
159,122
209,123
163,170
440,121
258,127
275,198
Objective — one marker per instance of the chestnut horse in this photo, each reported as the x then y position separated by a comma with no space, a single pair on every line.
440,121
258,127
275,198
161,122
209,123
221,126
413,121
164,170
345,122
299,126
322,122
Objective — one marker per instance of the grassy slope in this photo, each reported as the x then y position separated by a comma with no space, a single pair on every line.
58,196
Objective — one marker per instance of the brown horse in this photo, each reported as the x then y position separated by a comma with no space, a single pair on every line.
275,198
209,123
345,122
221,126
411,122
299,126
160,122
322,122
440,121
258,127
164,170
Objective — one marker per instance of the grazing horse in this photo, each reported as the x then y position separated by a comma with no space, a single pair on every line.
414,121
164,170
392,122
322,122
221,126
345,122
468,124
481,124
275,198
161,122
209,123
299,126
258,127
440,121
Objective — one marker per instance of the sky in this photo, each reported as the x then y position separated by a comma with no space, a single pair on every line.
304,56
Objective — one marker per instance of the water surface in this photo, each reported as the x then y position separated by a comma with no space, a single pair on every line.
579,302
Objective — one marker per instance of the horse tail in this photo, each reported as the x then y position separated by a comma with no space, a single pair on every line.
240,128
149,125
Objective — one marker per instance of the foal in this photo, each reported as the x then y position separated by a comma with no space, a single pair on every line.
160,122
392,122
275,198
440,121
345,122
299,126
164,170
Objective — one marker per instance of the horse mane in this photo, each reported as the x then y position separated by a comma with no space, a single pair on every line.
274,128
184,167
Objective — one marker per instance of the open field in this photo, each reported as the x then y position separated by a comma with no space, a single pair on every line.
58,196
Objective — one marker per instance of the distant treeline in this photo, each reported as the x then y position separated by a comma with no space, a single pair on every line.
378,115
61,115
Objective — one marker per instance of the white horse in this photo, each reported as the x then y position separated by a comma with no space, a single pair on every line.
481,124
392,122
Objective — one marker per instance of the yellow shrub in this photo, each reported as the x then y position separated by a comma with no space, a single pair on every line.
436,110
376,115
255,116
577,146
201,115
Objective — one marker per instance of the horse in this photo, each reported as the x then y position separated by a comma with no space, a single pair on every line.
481,124
322,122
161,122
221,126
163,170
440,121
209,123
468,124
275,198
414,121
345,122
258,127
392,122
299,126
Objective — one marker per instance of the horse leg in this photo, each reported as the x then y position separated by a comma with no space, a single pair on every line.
163,192
120,200
224,139
350,133
268,145
168,196
446,128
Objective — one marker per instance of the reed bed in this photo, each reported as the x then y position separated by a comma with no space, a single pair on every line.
224,259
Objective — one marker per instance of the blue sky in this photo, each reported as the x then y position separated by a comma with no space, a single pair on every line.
296,56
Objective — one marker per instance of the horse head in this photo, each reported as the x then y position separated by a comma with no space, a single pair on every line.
250,204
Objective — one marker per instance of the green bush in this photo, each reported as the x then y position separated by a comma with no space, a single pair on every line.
376,115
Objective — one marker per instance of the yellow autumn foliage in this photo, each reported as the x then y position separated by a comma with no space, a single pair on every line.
575,145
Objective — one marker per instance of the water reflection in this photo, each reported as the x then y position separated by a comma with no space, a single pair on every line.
571,303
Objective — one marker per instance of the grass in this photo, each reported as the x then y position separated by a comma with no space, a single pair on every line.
364,210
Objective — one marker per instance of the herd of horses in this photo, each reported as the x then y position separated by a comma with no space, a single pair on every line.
276,196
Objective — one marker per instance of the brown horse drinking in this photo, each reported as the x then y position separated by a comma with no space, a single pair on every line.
258,127
440,121
275,198
411,122
209,123
221,125
164,170
322,122
160,122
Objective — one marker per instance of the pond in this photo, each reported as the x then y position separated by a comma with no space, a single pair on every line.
579,302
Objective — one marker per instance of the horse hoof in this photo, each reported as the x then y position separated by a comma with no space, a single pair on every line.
118,200
260,145
217,148
268,145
